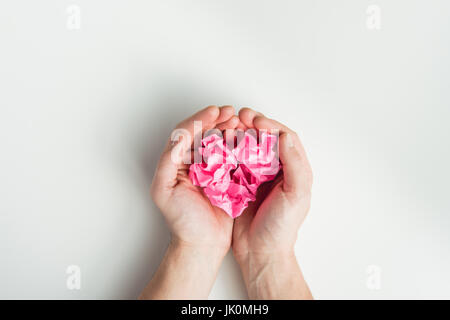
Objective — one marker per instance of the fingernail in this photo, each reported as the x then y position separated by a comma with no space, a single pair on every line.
289,141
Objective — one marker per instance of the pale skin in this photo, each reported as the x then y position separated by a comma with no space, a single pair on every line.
262,239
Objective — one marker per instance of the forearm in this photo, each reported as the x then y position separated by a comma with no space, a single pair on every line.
276,276
186,272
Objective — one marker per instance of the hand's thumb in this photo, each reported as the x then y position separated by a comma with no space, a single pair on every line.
291,161
165,177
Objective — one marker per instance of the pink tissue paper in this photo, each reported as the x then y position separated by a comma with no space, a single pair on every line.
230,178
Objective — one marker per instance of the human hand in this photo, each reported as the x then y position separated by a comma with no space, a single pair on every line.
192,220
200,233
265,235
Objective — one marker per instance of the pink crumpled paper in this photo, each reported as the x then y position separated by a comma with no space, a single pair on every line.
230,178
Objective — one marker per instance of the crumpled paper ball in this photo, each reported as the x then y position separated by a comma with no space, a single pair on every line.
230,178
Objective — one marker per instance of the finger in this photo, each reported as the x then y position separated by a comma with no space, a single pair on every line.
226,112
228,129
297,176
241,126
270,124
208,117
231,123
165,177
261,122
247,115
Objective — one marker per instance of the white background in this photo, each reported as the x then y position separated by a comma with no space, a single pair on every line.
84,115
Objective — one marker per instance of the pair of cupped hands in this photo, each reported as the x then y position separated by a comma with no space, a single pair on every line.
268,227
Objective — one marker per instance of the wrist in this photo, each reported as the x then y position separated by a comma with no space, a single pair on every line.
211,252
261,270
263,257
187,271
